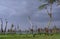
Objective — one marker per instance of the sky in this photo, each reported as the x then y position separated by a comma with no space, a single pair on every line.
17,12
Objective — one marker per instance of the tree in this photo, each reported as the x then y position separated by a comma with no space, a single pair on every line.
12,27
18,27
32,30
45,6
6,25
39,30
29,19
46,30
1,25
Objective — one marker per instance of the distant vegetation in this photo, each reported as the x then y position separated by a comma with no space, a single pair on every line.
37,33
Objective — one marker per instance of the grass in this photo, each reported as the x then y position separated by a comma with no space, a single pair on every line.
29,36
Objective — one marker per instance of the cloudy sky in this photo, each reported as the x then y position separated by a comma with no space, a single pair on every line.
17,11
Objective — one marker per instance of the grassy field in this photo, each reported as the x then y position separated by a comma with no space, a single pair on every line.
16,36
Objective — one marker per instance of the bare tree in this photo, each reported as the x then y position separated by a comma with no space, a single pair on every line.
1,24
6,24
12,27
39,30
29,19
18,27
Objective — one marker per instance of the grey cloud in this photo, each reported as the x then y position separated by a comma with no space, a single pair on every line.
16,11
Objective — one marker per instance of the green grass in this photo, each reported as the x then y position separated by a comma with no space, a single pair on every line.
30,36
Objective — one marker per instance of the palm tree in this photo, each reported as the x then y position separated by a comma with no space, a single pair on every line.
45,6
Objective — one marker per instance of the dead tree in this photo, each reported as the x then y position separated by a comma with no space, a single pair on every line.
1,25
6,25
29,19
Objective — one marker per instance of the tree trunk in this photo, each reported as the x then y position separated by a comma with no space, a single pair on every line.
6,26
1,25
